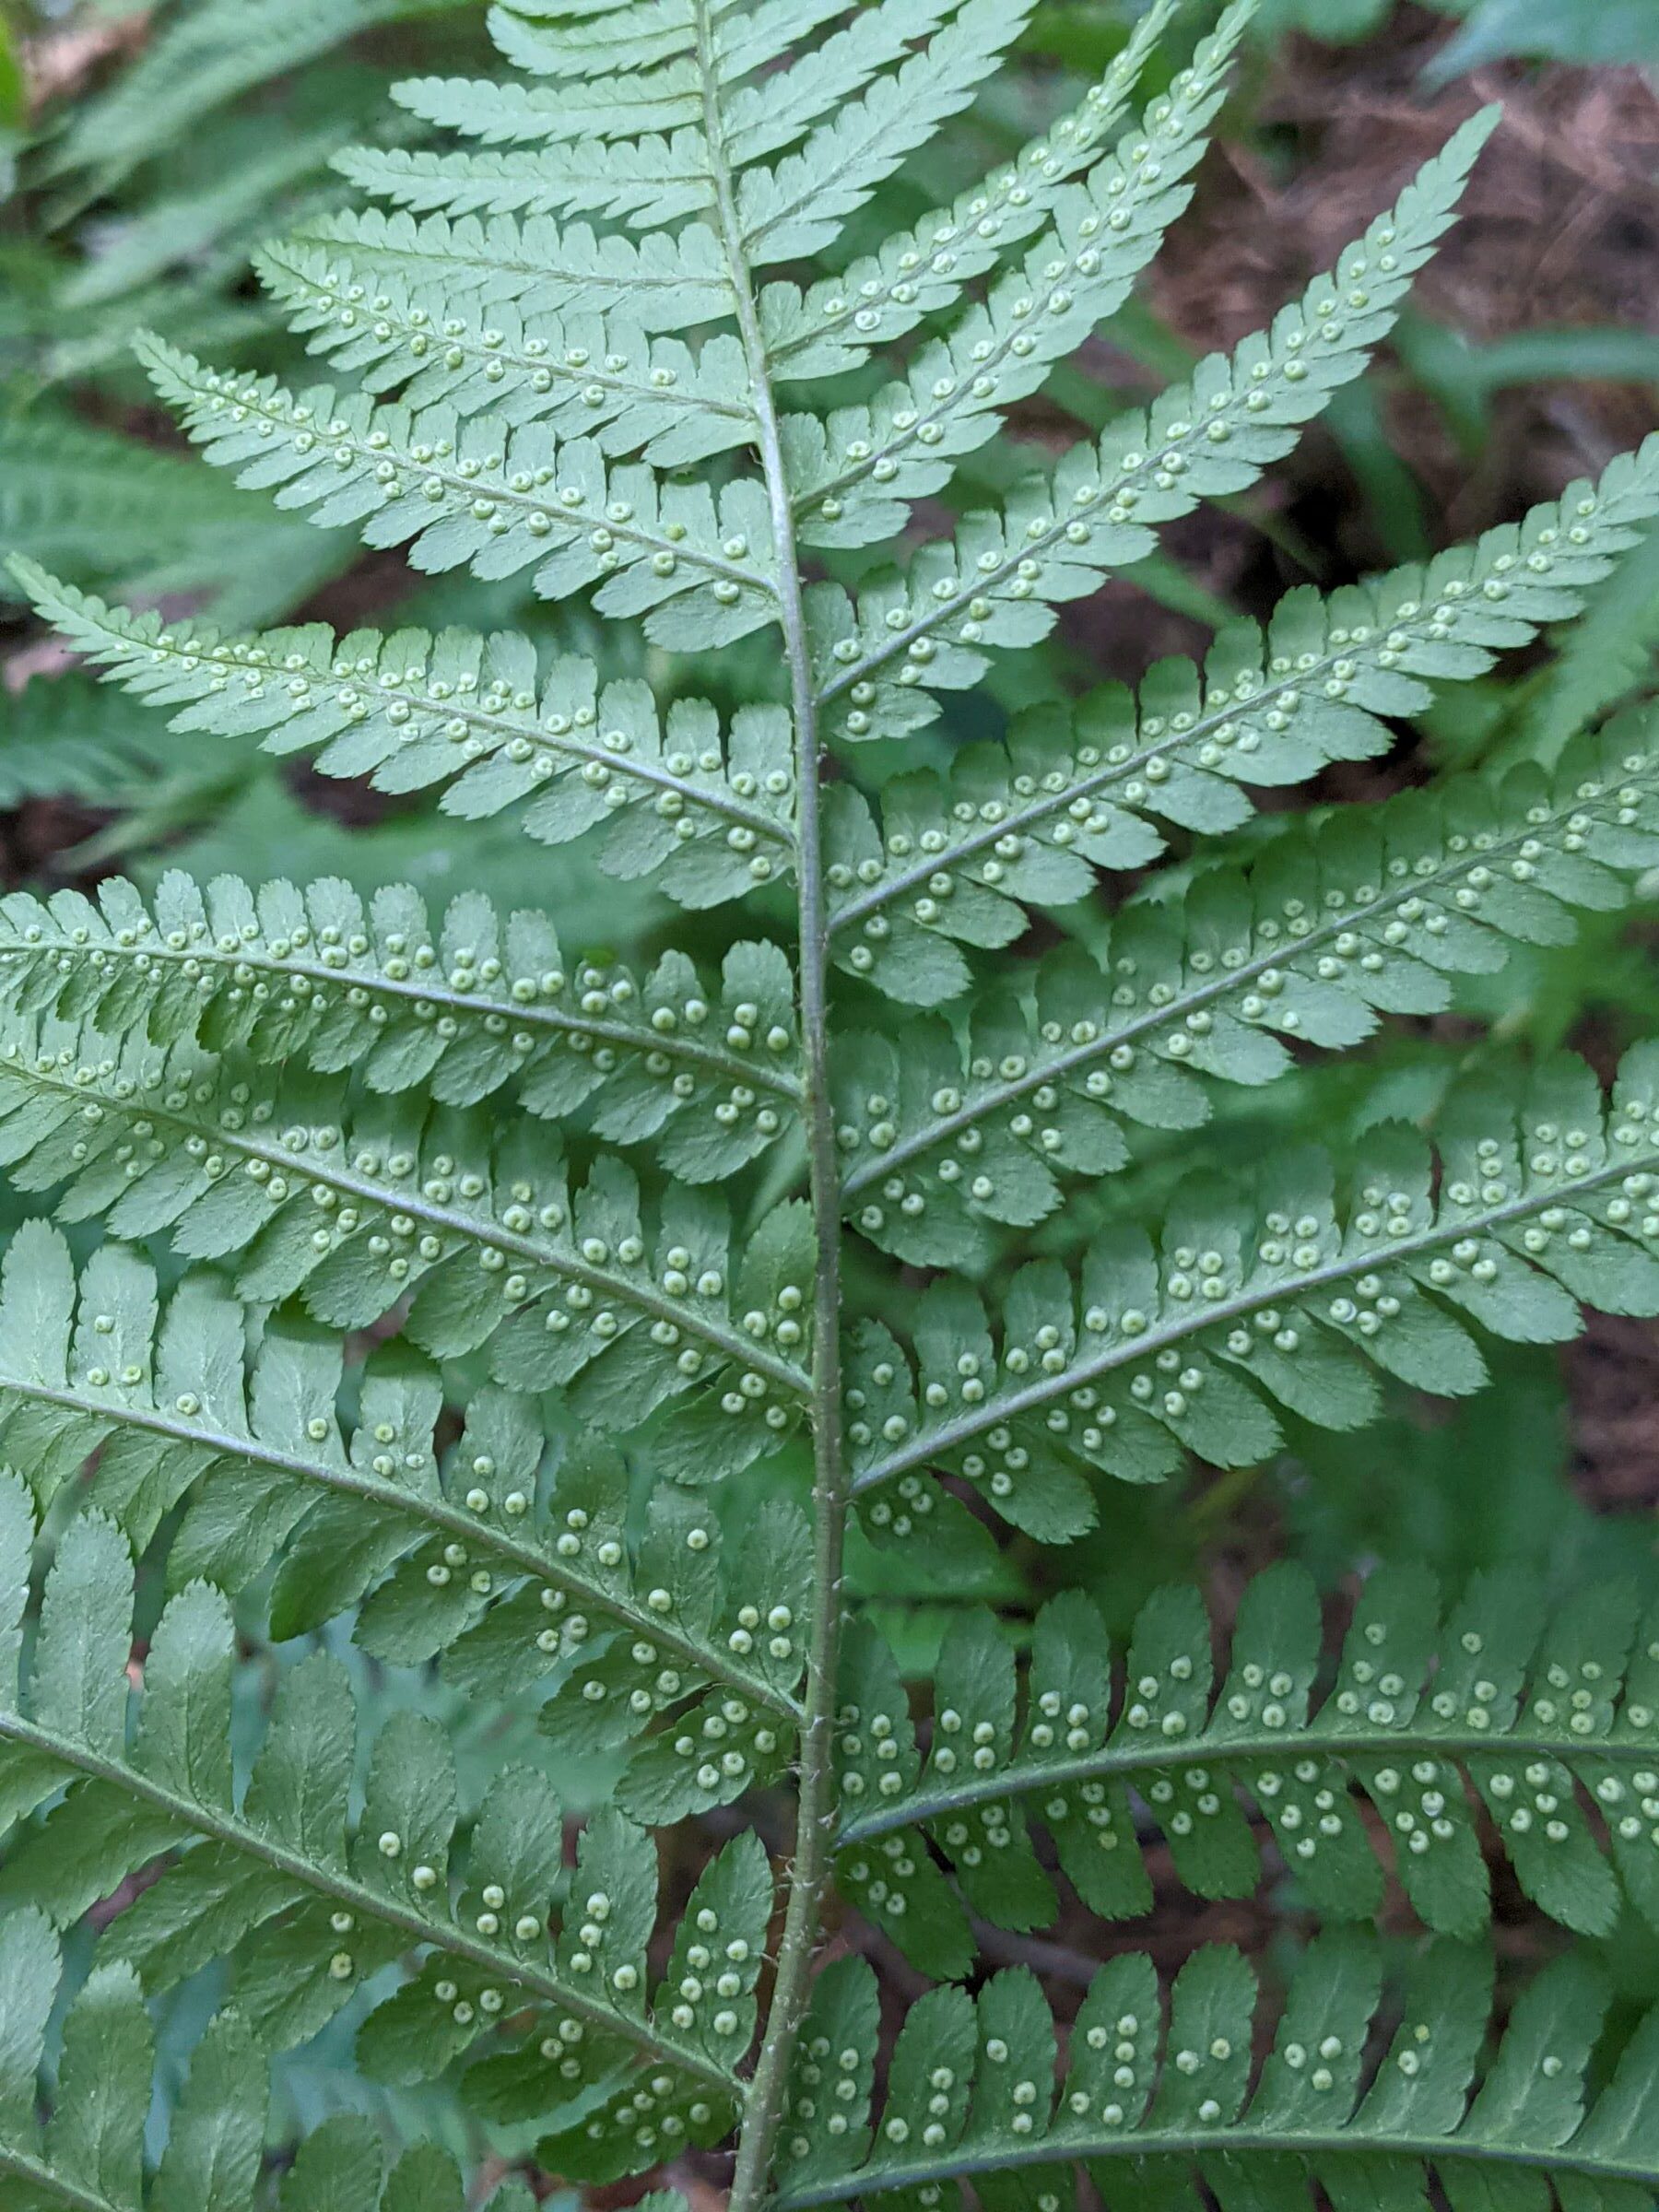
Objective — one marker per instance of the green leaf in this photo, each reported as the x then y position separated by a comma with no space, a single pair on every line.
89,2153
710,816
1538,1200
1143,2111
999,580
288,1880
1530,1714
1340,919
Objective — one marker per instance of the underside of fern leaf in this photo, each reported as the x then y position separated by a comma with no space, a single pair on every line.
425,1318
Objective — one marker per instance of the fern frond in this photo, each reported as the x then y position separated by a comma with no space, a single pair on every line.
839,321
468,1558
711,814
815,85
593,376
63,739
481,1005
582,42
1535,1203
801,205
999,582
1369,910
699,566
1606,657
358,1209
1145,2114
661,282
101,507
202,59
318,1905
88,2156
584,106
647,180
1506,1707
958,857
854,475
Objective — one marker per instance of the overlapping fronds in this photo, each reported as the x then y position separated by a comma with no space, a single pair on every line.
1502,1706
1337,920
853,474
481,1227
209,55
481,1004
999,582
1146,2110
597,376
79,2139
62,738
403,1307
697,564
316,1904
90,2152
955,860
1539,1197
101,507
469,1552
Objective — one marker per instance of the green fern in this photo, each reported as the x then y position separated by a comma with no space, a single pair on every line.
90,2154
1410,1717
713,1070
416,1284
316,1913
101,506
1145,2111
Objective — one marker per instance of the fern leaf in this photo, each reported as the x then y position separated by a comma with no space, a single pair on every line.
854,475
711,816
650,179
957,858
646,183
660,282
1334,922
1504,1706
762,118
1604,658
1145,2114
62,739
89,2154
584,106
802,204
592,376
699,567
202,60
580,43
481,1005
999,582
1538,1202
839,321
102,507
357,1209
320,1905
458,1558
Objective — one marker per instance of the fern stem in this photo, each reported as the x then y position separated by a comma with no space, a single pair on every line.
1025,1778
816,1807
51,2188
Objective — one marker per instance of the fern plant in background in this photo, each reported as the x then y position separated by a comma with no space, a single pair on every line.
399,1296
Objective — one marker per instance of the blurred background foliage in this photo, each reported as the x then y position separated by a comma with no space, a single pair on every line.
144,150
